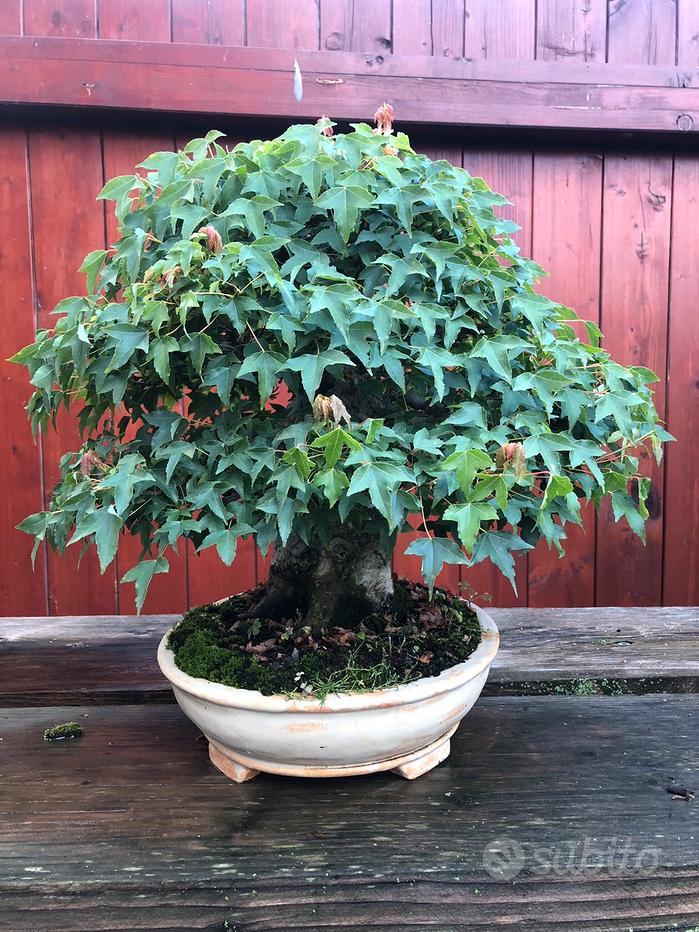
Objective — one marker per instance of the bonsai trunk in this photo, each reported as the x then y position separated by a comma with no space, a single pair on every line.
334,585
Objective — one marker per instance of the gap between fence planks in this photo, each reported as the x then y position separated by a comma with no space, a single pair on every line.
111,658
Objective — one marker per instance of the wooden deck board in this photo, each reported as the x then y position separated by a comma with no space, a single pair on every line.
130,827
112,658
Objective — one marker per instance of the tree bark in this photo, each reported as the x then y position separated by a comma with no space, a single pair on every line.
336,585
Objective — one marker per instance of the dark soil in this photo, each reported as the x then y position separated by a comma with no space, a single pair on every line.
419,637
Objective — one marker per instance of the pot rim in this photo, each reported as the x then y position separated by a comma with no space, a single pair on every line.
419,690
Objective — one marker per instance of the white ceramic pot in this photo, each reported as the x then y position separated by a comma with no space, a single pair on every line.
405,728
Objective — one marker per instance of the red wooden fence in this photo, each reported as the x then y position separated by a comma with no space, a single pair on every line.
615,222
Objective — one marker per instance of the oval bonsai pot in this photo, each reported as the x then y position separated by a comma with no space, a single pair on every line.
406,729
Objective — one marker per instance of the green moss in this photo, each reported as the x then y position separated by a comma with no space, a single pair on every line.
419,637
68,730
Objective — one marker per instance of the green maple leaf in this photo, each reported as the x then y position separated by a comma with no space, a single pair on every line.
345,202
435,552
498,546
468,519
267,366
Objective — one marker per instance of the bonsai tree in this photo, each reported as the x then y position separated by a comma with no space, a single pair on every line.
311,340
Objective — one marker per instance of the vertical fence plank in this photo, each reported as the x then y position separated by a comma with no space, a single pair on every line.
207,577
413,33
568,30
283,25
429,27
412,27
635,268
680,538
190,21
509,173
566,240
277,24
65,167
357,25
21,593
567,219
448,17
226,26
642,32
66,176
74,19
11,18
688,34
681,541
122,151
635,259
135,20
500,29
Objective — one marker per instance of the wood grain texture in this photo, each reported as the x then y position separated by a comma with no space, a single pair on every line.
413,32
65,171
190,21
226,22
635,264
635,270
448,25
500,29
429,27
509,172
134,19
160,77
11,18
356,26
122,151
63,18
279,24
189,849
567,230
217,22
112,659
688,34
495,30
642,31
572,30
21,590
681,540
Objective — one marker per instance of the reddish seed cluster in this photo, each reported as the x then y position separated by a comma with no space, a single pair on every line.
384,120
213,238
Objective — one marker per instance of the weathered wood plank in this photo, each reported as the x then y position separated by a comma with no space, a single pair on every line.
637,202
133,818
356,26
122,151
135,20
568,30
567,233
65,170
500,29
680,540
157,77
508,173
112,658
68,18
19,455
278,23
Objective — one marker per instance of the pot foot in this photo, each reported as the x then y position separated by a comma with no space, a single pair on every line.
421,764
231,768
